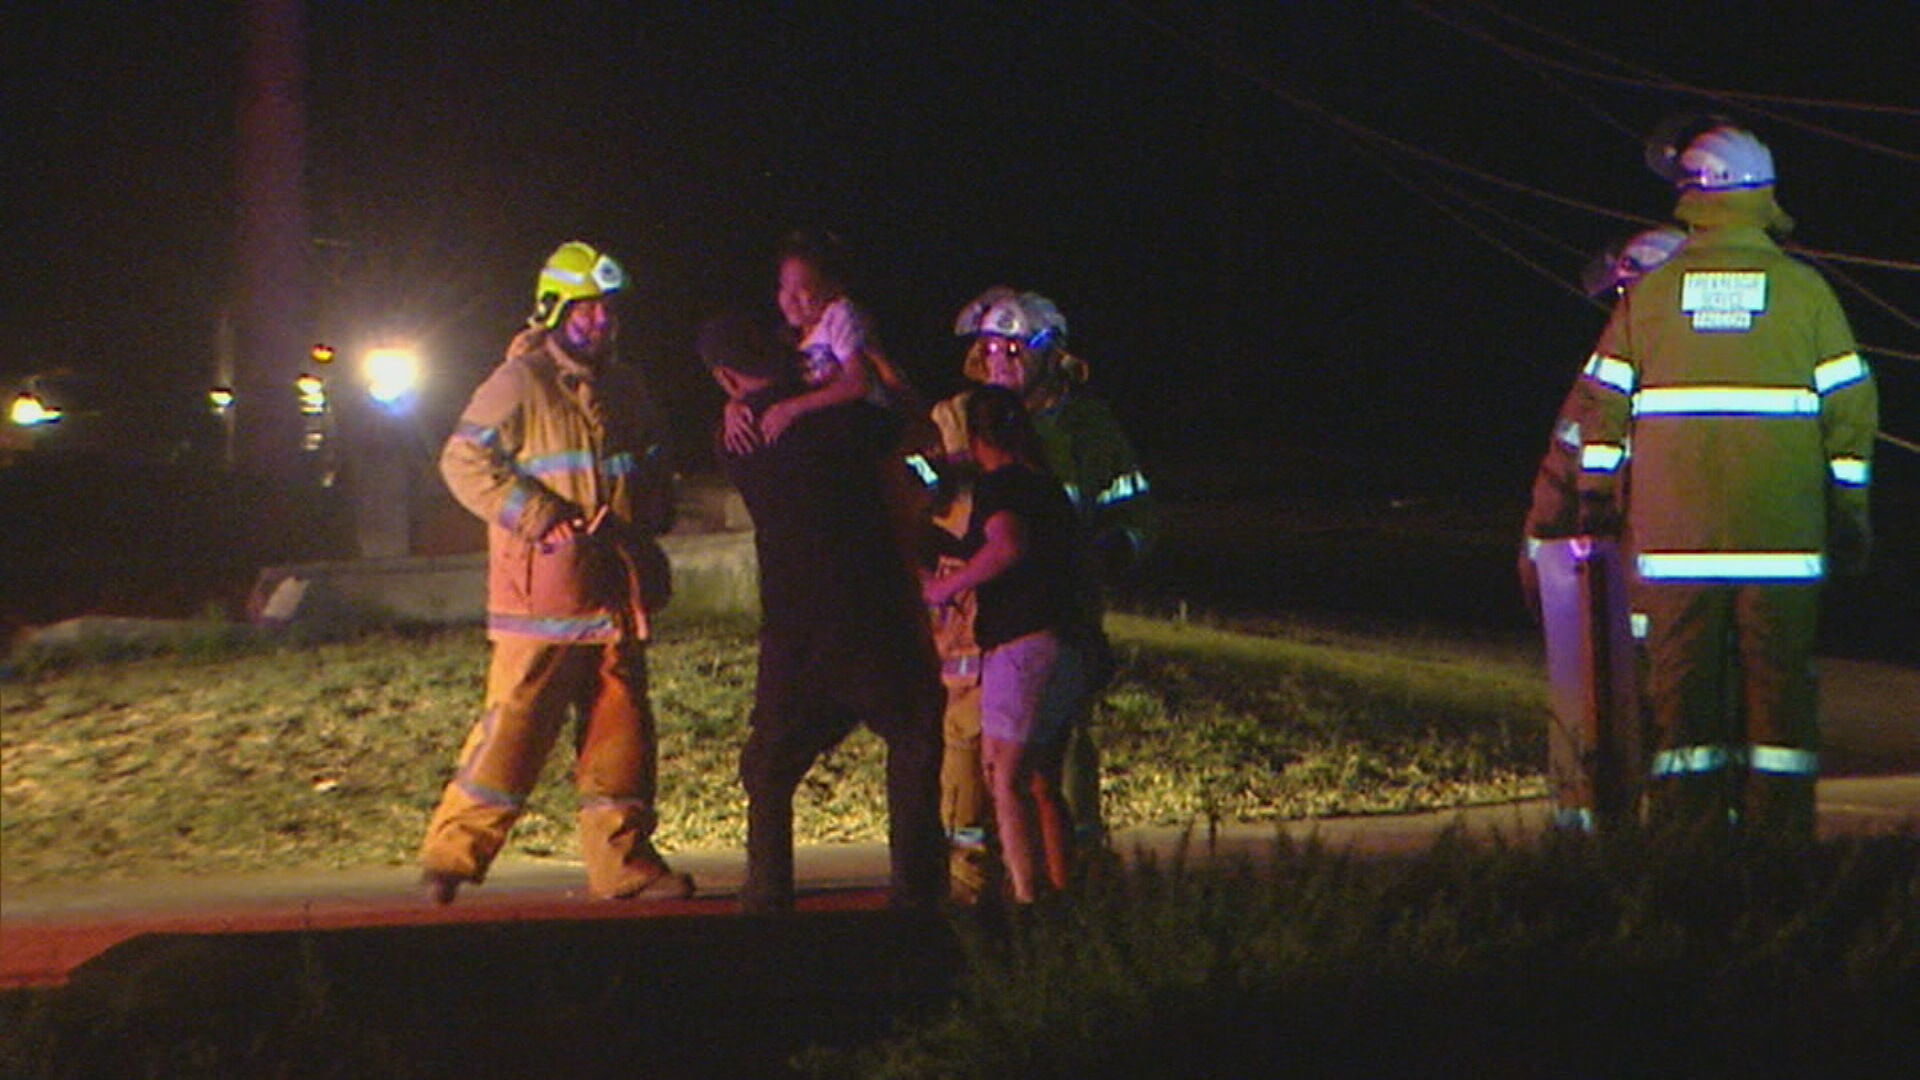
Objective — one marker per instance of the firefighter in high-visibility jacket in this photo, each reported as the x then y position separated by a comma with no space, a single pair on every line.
1019,342
1726,423
558,451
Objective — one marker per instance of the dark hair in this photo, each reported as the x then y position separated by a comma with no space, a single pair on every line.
825,251
998,417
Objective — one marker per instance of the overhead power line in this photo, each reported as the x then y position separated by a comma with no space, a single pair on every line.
1858,260
1535,60
1465,221
1368,139
1260,79
1875,298
1352,127
1884,351
1659,80
1653,79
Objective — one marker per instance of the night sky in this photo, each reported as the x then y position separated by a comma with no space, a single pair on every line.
1207,191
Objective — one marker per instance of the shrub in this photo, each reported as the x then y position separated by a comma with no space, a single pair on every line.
1574,957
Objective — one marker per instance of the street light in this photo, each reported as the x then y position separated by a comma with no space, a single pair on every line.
393,376
383,519
220,400
29,411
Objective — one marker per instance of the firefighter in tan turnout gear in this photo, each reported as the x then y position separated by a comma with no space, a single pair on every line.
1726,424
558,452
1576,587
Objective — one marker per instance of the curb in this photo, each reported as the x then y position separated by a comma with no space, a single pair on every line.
46,934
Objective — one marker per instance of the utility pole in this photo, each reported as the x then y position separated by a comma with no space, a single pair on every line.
273,292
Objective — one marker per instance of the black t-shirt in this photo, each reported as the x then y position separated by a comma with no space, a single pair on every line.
1042,590
830,565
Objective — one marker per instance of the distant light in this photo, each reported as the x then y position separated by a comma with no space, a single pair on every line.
321,353
221,398
392,374
29,411
313,394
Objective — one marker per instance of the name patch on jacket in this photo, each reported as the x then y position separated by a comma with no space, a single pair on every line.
1723,299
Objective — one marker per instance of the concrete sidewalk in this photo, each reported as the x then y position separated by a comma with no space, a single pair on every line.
46,934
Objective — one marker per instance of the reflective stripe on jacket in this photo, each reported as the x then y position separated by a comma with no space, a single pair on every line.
1727,404
544,440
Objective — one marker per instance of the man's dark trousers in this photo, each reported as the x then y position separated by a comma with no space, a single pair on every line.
809,698
844,640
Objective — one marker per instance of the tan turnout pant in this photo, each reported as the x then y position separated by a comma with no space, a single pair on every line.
533,688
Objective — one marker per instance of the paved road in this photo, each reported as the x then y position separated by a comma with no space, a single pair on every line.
1872,784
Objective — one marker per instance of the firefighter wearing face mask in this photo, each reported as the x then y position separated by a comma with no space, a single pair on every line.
1019,342
558,451
1726,425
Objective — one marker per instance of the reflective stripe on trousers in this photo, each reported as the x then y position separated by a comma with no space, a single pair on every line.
1692,760
1730,666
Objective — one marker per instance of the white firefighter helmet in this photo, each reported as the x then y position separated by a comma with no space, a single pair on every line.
1621,264
1711,153
1028,318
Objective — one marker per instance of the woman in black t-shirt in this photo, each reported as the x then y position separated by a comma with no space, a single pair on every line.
1023,565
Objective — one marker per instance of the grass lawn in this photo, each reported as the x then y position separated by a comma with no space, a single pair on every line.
223,754
1635,956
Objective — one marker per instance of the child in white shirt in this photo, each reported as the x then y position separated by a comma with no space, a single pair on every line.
839,360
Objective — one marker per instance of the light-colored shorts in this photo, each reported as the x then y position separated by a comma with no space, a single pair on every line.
1030,688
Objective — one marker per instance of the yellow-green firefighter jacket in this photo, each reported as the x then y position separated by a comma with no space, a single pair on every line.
1727,408
544,440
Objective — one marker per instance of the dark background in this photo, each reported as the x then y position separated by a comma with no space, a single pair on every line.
1242,208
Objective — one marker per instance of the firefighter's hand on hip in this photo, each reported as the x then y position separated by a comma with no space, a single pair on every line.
571,528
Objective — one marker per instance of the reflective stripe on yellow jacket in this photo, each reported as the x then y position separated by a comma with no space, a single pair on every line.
1727,404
